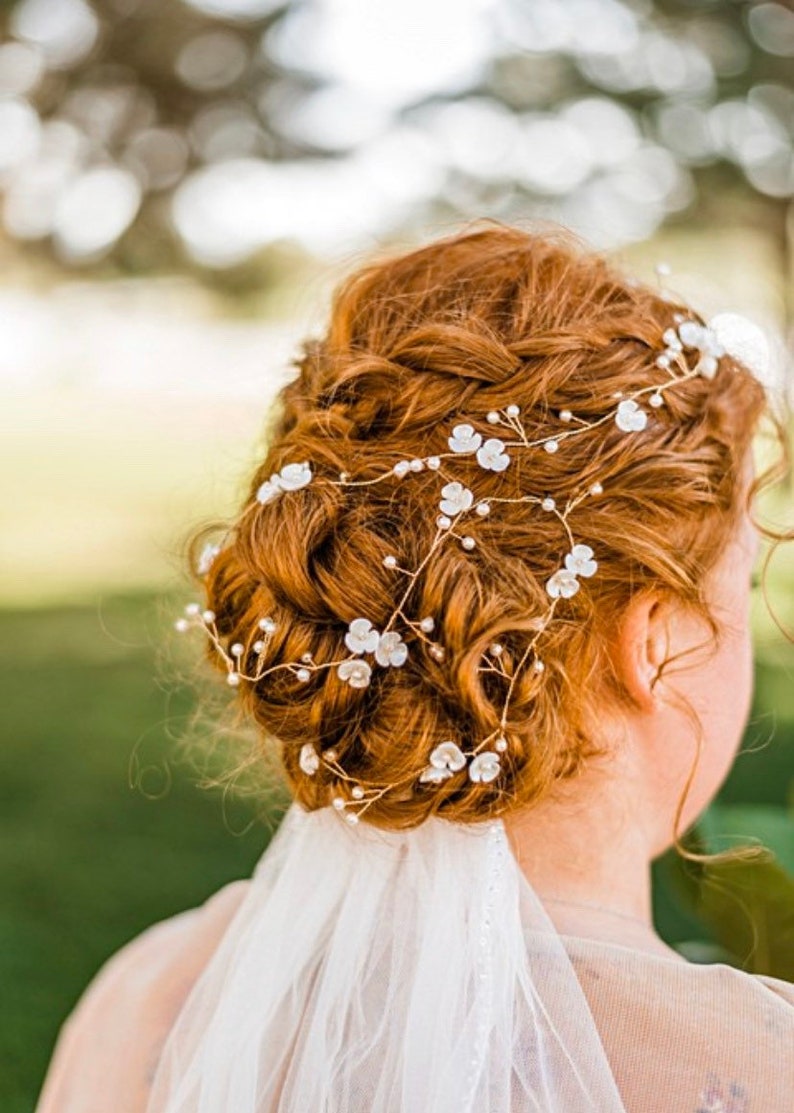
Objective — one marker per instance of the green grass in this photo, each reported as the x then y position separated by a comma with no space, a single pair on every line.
102,834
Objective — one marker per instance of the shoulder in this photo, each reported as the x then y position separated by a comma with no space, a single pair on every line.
115,1031
782,988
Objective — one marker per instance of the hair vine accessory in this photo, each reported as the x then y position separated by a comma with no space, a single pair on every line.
386,647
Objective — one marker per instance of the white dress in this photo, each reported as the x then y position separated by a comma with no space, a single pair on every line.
670,1036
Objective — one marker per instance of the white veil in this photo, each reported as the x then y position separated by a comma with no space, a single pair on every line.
371,971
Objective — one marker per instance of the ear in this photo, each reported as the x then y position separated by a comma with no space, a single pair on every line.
642,643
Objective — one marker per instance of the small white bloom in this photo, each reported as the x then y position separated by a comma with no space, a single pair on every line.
433,775
707,366
456,498
492,455
692,334
485,766
391,649
712,344
208,554
309,759
448,755
630,417
293,476
579,561
563,583
672,340
357,673
464,439
269,489
361,636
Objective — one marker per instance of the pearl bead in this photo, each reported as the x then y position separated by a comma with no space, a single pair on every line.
512,410
331,755
496,649
401,468
443,522
208,616
663,361
267,624
358,791
551,446
500,744
596,489
351,817
237,649
259,646
468,542
338,803
417,465
493,417
434,462
427,624
233,678
538,666
548,504
618,394
192,608
181,624
390,561
307,658
437,651
656,400
483,508
303,674
565,415
344,476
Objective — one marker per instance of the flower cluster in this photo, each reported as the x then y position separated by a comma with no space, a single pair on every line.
578,562
291,478
387,647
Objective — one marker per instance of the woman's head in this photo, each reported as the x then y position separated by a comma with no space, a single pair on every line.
417,343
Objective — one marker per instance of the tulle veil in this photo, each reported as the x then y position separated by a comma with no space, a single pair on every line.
371,971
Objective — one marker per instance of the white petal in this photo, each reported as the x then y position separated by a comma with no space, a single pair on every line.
309,760
434,775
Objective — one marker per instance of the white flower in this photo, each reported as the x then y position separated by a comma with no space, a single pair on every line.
456,498
357,673
269,489
492,455
630,417
309,760
447,758
208,554
290,478
361,636
579,561
391,649
293,476
448,755
434,775
485,766
707,366
563,583
672,340
464,439
692,334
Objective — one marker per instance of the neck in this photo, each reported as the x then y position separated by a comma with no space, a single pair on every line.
586,852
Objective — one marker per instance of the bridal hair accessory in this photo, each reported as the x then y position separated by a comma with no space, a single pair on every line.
386,647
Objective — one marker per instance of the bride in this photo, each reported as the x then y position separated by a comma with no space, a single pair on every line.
488,597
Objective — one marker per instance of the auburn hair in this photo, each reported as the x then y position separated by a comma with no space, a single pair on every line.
416,341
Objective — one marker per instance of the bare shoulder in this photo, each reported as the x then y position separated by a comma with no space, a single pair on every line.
114,1034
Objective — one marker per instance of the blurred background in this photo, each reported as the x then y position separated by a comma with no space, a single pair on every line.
181,183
